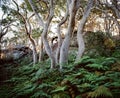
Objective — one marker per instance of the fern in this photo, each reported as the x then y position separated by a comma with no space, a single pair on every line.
90,77
61,95
116,53
97,66
116,93
40,94
88,73
78,96
101,91
113,75
100,63
109,61
59,92
26,88
44,85
72,56
39,73
59,89
84,59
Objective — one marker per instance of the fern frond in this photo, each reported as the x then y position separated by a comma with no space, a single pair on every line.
59,89
99,92
61,95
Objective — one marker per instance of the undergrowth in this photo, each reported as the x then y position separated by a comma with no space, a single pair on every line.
87,78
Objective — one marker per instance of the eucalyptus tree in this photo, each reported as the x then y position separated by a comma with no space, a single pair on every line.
114,5
111,9
22,15
72,6
45,26
80,39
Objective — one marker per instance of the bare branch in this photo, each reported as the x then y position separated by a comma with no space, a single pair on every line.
66,15
16,5
28,22
51,13
36,13
113,6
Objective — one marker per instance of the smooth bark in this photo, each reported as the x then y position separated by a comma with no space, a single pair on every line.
41,50
29,32
45,30
81,44
59,32
66,43
34,49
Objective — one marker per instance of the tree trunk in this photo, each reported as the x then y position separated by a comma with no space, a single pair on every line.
29,32
81,44
47,46
59,34
41,51
65,45
33,49
45,30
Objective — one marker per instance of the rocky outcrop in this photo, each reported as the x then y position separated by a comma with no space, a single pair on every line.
14,53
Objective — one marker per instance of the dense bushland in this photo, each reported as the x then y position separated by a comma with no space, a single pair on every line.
89,78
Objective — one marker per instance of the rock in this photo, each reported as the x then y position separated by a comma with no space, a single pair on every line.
15,53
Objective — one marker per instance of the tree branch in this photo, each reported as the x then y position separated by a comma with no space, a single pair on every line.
36,13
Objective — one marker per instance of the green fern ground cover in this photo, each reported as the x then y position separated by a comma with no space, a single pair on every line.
89,78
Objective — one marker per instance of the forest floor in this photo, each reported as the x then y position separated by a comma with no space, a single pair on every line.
97,77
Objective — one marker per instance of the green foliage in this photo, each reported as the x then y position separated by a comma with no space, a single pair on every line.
72,56
36,33
99,44
85,59
101,91
96,66
61,95
90,77
100,63
116,53
28,5
59,89
4,91
4,8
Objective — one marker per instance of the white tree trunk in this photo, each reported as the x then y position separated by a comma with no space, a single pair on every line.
59,33
47,47
65,45
45,30
64,51
34,49
81,44
41,51
29,32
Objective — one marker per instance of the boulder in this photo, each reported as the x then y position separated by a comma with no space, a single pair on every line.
14,53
